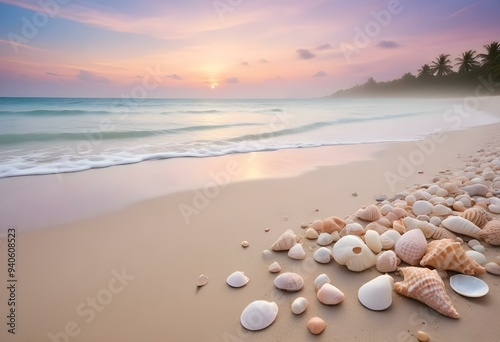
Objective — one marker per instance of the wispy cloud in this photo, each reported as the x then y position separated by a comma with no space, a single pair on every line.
263,61
245,63
320,73
175,77
325,46
232,80
462,11
87,76
305,54
388,44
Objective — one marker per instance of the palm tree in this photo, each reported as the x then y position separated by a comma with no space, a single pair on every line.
492,54
468,61
424,71
442,65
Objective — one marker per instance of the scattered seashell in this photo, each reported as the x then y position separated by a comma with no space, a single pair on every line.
399,226
275,267
202,280
331,225
389,238
459,206
460,225
299,305
491,233
266,253
311,234
386,209
492,268
354,229
321,280
410,199
324,239
468,286
477,257
495,209
330,295
478,216
369,213
237,279
479,248
422,208
473,243
443,233
452,188
351,251
387,262
245,244
435,221
442,192
304,225
441,210
376,226
422,336
316,325
297,252
259,315
323,255
427,228
286,241
446,254
476,190
377,293
422,195
289,281
372,240
411,247
266,230
317,225
384,221
335,236
427,287
424,218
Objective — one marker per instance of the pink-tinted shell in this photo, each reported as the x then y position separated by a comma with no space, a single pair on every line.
411,247
387,262
369,213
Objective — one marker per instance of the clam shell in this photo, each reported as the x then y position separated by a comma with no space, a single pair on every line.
468,286
259,315
351,251
491,233
237,279
411,247
311,234
274,267
389,238
330,295
377,293
492,268
495,209
323,255
297,252
286,241
387,262
316,325
376,226
422,208
299,305
372,240
324,239
321,280
289,281
354,229
460,225
386,209
369,213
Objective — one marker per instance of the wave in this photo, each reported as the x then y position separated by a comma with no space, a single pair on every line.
53,112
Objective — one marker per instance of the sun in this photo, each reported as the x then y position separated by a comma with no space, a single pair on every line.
213,86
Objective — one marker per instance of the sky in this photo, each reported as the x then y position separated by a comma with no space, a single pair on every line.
228,48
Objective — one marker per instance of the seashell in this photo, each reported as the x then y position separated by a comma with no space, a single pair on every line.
422,208
311,234
491,233
384,221
330,295
449,201
351,251
427,287
476,190
468,286
297,252
399,212
479,248
441,210
259,315
286,241
274,267
447,254
335,236
477,257
426,228
473,243
435,221
389,238
375,226
442,192
495,209
329,226
299,305
354,229
237,279
386,209
452,188
289,281
321,280
422,195
422,336
266,253
460,225
476,215
377,293
372,240
433,189
458,206
443,233
467,201
399,226
316,325
492,268
202,280
410,199
387,262
323,255
245,244
411,247
369,213
317,225
424,218
324,239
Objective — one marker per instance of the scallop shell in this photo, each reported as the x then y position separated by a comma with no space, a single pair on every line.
297,252
411,247
427,228
427,287
274,267
330,295
422,208
323,255
369,213
377,293
299,305
441,210
237,279
311,234
259,315
351,251
491,233
372,240
460,225
478,216
321,280
316,325
289,281
448,255
389,238
476,190
324,239
387,262
286,241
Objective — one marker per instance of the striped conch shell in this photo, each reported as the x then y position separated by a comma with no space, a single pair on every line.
443,233
369,213
286,241
460,225
476,215
448,255
427,287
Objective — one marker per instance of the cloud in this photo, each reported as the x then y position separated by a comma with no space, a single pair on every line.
462,10
305,54
325,46
87,76
388,44
245,63
232,80
54,74
174,77
320,73
263,61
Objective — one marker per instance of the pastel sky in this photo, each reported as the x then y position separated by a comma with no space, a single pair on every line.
228,48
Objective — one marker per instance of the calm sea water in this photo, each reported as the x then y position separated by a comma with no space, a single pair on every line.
50,135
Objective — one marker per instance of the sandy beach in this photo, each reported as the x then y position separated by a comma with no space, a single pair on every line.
114,254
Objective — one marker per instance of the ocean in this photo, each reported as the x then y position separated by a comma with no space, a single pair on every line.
54,135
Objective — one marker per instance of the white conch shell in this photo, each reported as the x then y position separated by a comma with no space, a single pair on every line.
460,225
237,279
351,251
286,241
299,305
411,247
324,239
259,315
389,238
330,295
323,255
441,210
274,267
372,240
427,228
289,281
422,208
377,293
321,280
297,252
369,213
387,262
311,234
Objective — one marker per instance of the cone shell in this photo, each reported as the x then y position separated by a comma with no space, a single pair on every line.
427,287
286,241
259,315
330,295
369,213
377,293
427,228
297,252
237,279
274,267
491,233
387,262
299,305
351,251
323,255
289,281
446,254
476,215
411,247
460,225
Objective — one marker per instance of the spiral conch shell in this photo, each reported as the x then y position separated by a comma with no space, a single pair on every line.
460,225
259,315
411,247
286,241
369,213
446,255
351,251
427,287
478,216
491,233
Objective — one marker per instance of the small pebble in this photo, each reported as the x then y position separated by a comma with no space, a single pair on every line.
245,244
304,225
202,280
316,325
420,172
266,230
380,198
422,336
266,253
473,243
479,248
354,194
